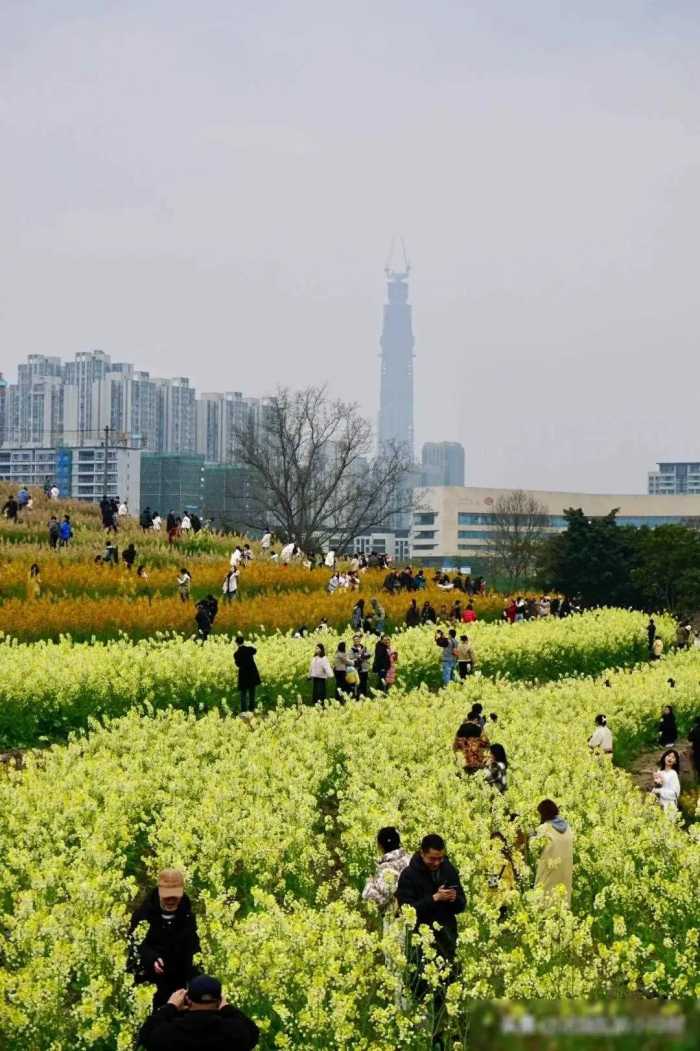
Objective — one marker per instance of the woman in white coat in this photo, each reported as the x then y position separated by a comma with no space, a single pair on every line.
667,785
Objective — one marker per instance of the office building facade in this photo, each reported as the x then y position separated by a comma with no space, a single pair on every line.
442,463
453,525
79,473
675,479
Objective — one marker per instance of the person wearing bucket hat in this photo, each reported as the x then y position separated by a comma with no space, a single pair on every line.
166,954
199,1019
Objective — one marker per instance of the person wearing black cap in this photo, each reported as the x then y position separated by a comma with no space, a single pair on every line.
199,1019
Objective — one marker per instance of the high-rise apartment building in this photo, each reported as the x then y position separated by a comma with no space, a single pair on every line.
34,405
220,417
442,464
396,383
84,411
672,479
177,416
3,406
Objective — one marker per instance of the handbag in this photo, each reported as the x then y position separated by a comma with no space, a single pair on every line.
351,676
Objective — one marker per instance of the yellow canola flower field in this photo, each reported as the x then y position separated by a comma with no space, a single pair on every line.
274,825
48,689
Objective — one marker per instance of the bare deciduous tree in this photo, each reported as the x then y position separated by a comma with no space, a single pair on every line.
313,476
520,524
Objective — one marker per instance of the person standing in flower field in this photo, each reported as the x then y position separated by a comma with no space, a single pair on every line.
34,582
199,1019
65,532
248,674
556,862
184,584
668,730
165,957
320,672
10,509
266,543
381,662
361,659
464,652
53,532
601,739
667,785
431,886
381,887
230,586
393,661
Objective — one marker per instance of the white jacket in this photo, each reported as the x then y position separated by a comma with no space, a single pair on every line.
320,668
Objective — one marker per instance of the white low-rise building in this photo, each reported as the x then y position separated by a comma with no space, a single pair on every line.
453,524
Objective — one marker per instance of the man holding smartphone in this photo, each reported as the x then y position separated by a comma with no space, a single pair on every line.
430,884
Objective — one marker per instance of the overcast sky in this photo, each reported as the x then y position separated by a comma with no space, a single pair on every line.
210,189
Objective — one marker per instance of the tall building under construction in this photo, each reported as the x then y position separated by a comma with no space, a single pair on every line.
397,343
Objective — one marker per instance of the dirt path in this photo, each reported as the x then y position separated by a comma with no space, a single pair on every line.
644,766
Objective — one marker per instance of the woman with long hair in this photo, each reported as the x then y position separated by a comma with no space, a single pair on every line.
667,785
319,672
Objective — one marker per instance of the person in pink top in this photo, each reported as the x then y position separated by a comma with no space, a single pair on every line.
469,615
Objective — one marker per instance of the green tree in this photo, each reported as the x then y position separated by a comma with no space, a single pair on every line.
593,558
667,574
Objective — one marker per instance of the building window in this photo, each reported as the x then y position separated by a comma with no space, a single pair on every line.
425,534
425,518
424,547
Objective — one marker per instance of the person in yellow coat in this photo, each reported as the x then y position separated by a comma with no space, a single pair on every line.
556,861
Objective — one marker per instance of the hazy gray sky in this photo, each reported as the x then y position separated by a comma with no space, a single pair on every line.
209,189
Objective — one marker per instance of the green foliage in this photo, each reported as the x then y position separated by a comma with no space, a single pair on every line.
604,563
667,575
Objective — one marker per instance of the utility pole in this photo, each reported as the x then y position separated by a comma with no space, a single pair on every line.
104,492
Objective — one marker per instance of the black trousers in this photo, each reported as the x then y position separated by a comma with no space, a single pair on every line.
248,698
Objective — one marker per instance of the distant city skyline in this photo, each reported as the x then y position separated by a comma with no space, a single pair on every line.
212,195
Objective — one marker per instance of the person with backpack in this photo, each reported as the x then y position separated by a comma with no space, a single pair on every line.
381,887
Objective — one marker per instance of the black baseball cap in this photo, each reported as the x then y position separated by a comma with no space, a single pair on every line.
204,990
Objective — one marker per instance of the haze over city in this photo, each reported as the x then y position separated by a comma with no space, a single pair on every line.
211,191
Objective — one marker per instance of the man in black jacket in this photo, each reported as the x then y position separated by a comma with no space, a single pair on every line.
430,884
165,956
199,1019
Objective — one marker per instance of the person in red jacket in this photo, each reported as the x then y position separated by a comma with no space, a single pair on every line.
469,615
